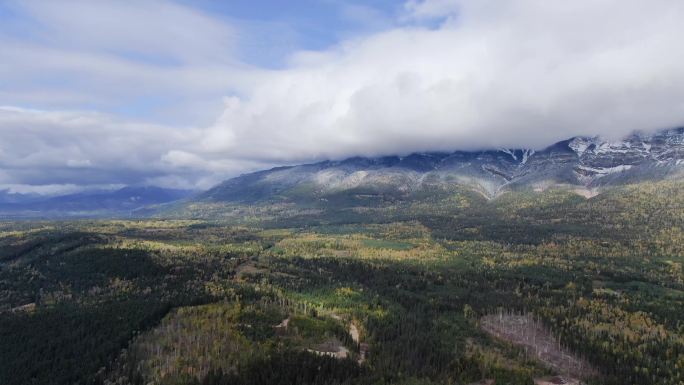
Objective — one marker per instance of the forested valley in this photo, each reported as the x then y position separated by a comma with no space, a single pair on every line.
448,289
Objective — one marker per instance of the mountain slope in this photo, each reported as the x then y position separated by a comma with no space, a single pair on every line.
585,163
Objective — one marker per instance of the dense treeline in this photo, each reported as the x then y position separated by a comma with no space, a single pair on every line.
69,344
289,367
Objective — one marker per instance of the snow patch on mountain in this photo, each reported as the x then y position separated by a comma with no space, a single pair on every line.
526,155
579,145
509,152
606,170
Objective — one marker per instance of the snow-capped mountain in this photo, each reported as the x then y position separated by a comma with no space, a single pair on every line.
582,162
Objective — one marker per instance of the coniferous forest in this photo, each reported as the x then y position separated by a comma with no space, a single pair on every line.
449,289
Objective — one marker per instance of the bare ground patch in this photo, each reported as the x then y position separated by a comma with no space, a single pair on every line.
539,342
332,348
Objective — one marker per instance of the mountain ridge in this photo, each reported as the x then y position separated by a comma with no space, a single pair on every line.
581,162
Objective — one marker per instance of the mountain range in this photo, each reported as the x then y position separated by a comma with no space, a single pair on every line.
585,164
100,203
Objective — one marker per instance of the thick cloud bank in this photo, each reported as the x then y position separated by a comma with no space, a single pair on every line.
512,73
448,75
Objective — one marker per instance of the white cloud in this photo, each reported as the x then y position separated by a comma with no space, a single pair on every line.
150,28
502,73
53,151
139,58
53,189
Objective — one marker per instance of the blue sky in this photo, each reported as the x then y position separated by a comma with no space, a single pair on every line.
180,93
263,34
305,24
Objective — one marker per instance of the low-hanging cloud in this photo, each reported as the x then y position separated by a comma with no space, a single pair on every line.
448,75
54,151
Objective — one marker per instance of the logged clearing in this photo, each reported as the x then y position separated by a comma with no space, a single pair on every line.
539,342
332,348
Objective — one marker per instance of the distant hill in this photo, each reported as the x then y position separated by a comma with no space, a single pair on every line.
116,203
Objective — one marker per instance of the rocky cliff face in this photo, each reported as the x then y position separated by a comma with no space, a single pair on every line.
583,162
635,157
